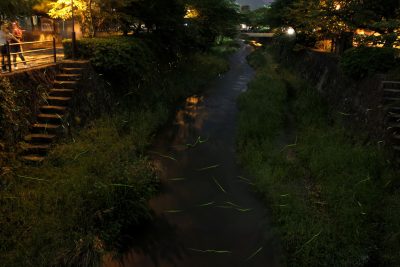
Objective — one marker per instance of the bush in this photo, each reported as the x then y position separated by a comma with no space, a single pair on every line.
364,61
142,68
126,61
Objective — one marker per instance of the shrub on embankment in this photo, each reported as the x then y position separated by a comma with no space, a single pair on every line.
334,200
93,189
140,68
124,60
360,62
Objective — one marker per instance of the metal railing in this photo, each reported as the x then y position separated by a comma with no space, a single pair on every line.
31,54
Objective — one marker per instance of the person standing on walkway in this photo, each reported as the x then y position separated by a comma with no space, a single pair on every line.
3,45
16,48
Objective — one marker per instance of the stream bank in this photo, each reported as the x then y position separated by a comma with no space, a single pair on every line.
334,198
207,213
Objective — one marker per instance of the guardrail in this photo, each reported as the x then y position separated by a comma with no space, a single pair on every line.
31,54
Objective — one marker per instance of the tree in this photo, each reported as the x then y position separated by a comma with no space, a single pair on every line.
257,19
14,8
338,19
83,9
215,18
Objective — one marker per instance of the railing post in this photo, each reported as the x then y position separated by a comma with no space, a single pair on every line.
9,56
54,50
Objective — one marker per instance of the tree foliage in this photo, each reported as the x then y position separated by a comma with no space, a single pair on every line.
13,8
168,19
337,19
215,18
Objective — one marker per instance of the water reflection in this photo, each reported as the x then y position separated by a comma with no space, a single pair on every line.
189,120
144,246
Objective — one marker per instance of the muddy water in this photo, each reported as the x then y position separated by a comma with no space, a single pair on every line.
207,213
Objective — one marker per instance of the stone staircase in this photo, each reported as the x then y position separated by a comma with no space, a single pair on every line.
50,119
391,97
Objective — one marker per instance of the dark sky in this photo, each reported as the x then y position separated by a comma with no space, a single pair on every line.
254,3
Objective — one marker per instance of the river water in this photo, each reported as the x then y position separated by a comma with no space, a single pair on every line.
207,214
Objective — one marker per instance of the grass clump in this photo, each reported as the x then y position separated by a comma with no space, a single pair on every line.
326,189
76,207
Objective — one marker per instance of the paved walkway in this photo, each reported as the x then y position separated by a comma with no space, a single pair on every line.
37,59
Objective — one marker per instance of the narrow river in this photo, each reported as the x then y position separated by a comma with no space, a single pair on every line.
207,213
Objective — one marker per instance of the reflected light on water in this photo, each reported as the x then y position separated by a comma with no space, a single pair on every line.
193,100
190,117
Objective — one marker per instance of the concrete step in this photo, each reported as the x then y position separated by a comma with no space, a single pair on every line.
392,90
68,77
61,92
391,93
58,101
72,70
393,115
396,137
391,84
393,109
40,138
50,118
36,149
75,63
65,84
45,128
391,99
53,109
393,126
33,159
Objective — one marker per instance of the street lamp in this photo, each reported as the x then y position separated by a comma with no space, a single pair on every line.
73,31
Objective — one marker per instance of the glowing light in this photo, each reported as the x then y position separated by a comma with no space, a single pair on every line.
191,13
290,31
193,100
255,43
338,7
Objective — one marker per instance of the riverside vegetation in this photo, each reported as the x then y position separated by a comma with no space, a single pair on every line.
94,188
334,199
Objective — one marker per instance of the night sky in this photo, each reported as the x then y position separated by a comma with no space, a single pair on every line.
254,3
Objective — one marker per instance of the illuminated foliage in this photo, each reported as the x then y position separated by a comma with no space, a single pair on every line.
61,9
191,13
88,13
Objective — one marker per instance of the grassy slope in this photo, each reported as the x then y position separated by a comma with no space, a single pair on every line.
330,195
75,207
